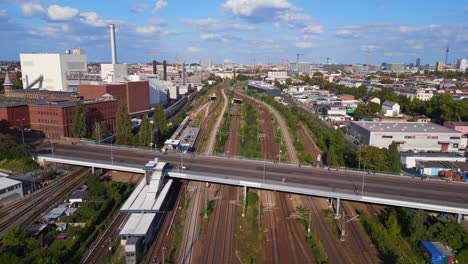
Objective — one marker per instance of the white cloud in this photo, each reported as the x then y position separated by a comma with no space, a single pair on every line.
249,8
313,29
3,13
193,49
54,30
92,19
31,9
147,30
368,47
160,4
304,45
394,54
213,25
311,37
347,33
56,12
210,36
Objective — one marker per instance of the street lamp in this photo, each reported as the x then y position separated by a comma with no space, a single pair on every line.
22,129
163,249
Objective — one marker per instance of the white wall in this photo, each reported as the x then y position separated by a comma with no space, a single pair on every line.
113,73
53,67
158,91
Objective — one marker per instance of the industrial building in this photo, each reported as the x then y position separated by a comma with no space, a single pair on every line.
262,87
134,94
408,136
55,119
410,159
9,190
49,71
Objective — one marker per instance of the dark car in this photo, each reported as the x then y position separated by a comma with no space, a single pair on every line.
357,143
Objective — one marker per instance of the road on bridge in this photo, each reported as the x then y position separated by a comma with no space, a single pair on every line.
382,186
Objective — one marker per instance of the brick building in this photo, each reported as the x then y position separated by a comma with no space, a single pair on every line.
55,119
135,94
42,94
15,113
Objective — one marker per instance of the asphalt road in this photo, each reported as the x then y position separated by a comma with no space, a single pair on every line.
404,188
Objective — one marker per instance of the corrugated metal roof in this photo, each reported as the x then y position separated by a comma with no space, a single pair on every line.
138,224
7,182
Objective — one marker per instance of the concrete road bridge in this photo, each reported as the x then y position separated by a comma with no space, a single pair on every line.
381,189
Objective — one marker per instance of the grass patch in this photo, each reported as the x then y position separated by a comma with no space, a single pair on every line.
250,239
313,240
250,145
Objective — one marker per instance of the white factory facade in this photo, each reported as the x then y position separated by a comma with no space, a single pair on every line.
408,136
49,71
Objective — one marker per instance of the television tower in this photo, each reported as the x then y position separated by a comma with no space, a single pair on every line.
446,55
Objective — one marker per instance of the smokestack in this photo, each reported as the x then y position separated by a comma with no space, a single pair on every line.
155,69
164,70
183,73
112,39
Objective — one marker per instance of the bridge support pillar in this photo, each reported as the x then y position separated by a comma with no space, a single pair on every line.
244,203
330,202
337,213
459,218
92,170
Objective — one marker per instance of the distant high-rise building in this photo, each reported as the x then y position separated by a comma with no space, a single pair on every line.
439,66
418,62
395,67
462,64
206,63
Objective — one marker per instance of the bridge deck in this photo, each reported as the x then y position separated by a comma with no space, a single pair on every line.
380,189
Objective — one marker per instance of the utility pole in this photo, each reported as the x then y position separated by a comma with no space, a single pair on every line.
22,129
206,200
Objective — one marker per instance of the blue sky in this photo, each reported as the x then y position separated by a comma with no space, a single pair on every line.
270,31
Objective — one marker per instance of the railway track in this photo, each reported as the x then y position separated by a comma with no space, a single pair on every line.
104,242
329,239
221,229
24,213
358,239
270,231
191,230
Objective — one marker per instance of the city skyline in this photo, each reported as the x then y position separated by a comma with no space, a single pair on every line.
240,30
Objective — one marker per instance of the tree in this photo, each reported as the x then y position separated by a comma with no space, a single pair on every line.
145,134
159,119
100,131
123,131
416,226
16,237
288,81
79,121
394,158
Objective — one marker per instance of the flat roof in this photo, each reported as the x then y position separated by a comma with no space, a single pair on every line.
432,154
409,127
7,182
138,224
70,103
55,213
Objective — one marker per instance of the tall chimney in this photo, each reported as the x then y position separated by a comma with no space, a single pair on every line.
164,70
155,70
183,73
112,39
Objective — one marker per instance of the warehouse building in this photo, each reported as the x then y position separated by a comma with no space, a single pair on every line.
408,136
262,87
9,190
